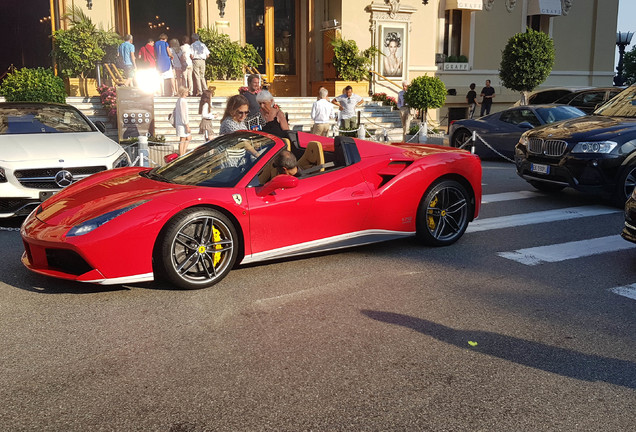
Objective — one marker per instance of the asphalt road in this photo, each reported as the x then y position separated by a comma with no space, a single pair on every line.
513,328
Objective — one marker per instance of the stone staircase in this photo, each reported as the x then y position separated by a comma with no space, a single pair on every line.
375,117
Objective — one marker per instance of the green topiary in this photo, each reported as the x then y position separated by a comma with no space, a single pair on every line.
33,85
228,59
350,63
629,63
425,92
526,61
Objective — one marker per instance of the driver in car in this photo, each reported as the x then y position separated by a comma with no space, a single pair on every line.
285,163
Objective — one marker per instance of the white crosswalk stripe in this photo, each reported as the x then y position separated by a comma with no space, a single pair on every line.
628,291
508,196
538,217
567,251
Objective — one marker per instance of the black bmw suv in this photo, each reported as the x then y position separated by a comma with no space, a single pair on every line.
593,154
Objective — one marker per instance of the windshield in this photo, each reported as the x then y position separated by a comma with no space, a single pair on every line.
622,105
221,162
558,113
40,118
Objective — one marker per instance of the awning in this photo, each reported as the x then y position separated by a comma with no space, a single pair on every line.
465,4
544,7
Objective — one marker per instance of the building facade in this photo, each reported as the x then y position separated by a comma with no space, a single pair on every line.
458,40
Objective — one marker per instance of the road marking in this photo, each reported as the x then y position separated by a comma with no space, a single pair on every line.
628,291
538,217
567,251
508,196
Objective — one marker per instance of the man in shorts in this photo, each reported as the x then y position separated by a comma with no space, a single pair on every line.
127,53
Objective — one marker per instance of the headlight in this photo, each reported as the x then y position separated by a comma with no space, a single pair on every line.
3,176
94,223
594,147
122,161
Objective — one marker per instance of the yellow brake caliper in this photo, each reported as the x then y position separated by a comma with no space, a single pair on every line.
216,235
430,219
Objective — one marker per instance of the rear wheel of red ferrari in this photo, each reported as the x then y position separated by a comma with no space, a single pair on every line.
443,214
198,248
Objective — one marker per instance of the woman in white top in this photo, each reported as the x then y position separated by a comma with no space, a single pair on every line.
205,109
182,120
235,114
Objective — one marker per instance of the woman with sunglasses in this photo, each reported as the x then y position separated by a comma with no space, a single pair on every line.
235,114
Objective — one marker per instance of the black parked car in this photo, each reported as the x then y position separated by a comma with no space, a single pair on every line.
590,99
502,130
593,154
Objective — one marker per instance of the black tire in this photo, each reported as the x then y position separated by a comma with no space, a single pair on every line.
197,249
625,186
547,187
443,213
460,137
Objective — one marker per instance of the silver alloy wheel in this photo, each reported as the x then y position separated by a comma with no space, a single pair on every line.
202,250
444,213
630,182
461,137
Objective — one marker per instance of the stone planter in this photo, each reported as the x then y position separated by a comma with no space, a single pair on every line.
225,87
335,88
85,87
430,139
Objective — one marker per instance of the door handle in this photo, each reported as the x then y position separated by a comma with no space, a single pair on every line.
357,193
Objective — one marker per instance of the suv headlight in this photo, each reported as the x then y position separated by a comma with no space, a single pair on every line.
594,147
122,161
3,176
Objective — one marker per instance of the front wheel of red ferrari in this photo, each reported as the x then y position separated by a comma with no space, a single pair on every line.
443,214
198,248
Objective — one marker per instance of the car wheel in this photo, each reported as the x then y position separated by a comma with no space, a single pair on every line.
443,214
198,248
625,186
460,137
547,187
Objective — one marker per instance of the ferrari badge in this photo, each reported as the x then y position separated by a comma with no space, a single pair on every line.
238,199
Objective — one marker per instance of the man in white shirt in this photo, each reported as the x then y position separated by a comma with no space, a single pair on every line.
321,113
348,102
186,53
199,53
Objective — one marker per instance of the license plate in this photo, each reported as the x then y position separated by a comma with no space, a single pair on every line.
46,195
539,168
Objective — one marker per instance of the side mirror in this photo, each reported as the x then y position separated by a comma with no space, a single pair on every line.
100,126
281,181
525,125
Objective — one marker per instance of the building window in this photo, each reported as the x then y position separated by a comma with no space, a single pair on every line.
452,33
539,23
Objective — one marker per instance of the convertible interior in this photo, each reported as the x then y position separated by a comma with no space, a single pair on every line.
315,154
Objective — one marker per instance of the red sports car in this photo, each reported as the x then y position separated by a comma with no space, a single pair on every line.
193,219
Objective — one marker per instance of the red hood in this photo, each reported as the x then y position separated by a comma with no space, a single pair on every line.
100,194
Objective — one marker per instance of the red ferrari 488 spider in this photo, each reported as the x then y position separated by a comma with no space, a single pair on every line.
224,203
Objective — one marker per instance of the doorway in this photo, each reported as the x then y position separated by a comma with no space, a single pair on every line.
271,26
150,19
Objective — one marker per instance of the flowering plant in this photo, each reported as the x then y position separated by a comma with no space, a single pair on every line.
390,101
378,97
108,97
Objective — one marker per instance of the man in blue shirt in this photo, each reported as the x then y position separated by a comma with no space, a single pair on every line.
127,53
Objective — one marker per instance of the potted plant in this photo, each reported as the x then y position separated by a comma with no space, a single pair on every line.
425,92
33,85
352,67
227,61
79,49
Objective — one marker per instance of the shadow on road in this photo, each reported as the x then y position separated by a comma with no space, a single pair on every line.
561,361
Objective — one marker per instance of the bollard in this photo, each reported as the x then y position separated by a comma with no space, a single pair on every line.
473,139
143,151
361,132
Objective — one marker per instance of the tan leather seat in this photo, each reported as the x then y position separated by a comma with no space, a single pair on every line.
312,157
269,172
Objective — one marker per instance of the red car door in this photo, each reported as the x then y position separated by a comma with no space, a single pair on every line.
321,207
